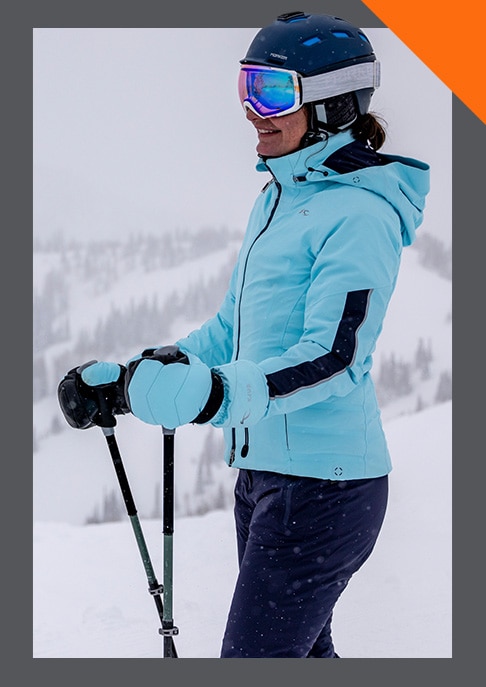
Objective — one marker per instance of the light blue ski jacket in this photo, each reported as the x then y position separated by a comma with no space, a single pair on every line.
294,337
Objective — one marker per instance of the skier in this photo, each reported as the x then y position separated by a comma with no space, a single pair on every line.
284,366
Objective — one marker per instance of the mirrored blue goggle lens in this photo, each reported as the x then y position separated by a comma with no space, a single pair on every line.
268,92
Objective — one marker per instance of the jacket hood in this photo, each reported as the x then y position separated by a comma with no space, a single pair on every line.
403,182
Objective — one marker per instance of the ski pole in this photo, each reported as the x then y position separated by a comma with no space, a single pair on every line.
168,628
155,589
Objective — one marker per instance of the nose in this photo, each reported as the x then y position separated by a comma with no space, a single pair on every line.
252,116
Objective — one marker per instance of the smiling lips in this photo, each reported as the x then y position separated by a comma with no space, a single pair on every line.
266,132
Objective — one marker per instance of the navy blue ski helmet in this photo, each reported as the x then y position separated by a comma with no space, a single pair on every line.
332,61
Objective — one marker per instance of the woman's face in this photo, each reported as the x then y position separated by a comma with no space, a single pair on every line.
279,135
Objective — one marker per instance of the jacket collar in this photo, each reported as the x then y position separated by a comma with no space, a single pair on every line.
301,164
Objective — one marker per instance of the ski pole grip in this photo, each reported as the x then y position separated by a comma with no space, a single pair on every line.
166,355
107,419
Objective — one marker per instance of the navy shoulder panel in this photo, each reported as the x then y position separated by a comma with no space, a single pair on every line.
353,156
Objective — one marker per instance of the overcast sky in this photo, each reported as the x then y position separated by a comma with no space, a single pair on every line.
148,122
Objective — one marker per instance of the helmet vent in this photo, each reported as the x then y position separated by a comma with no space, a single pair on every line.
312,41
341,34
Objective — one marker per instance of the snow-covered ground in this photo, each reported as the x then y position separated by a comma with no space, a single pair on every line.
90,588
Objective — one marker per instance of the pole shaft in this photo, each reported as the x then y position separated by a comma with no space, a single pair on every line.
168,509
168,530
168,575
154,587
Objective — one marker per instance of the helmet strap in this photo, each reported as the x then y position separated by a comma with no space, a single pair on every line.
335,114
314,133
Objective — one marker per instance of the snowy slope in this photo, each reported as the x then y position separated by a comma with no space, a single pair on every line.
398,606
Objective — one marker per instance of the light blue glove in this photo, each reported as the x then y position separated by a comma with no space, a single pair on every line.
99,373
246,394
168,387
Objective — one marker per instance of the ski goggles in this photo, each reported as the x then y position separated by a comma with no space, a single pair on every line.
274,92
269,91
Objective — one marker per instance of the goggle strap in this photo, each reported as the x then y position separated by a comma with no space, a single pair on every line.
348,79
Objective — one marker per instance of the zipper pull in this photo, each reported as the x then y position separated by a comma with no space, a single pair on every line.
246,446
233,447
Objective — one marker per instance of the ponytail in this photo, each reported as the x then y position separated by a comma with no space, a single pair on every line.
370,128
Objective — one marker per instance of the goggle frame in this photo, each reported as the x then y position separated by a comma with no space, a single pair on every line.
311,88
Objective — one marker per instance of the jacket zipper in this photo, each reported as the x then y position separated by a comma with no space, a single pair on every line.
246,446
270,217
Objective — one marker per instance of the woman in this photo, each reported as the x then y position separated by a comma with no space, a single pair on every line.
284,366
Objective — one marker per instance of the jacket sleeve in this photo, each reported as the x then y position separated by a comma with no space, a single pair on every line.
351,282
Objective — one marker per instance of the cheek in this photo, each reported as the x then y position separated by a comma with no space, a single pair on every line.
295,133
299,125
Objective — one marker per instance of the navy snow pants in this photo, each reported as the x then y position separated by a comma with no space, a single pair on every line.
299,542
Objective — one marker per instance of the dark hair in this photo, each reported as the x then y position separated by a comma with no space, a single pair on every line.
370,128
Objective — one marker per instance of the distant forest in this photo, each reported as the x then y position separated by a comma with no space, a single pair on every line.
99,267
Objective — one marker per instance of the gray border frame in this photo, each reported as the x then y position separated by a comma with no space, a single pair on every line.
468,154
